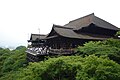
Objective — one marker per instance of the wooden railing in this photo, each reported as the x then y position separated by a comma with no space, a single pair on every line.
61,51
38,51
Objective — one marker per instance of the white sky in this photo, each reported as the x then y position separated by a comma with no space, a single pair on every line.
20,18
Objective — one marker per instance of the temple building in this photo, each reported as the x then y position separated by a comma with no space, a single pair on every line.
62,40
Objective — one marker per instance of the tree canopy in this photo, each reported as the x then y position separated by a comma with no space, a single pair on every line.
96,60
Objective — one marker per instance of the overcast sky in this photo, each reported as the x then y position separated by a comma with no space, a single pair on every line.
20,18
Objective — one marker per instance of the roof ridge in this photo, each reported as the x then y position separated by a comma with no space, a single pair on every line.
39,34
58,26
92,14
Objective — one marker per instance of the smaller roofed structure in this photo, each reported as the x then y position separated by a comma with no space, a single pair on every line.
63,39
35,37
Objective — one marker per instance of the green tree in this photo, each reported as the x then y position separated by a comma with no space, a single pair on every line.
95,68
20,47
4,54
11,61
118,33
109,48
71,68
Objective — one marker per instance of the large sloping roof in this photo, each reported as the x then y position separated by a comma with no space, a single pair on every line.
68,32
87,20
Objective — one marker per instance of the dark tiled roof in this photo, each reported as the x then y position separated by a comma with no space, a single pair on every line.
65,32
68,30
80,22
37,36
87,20
104,24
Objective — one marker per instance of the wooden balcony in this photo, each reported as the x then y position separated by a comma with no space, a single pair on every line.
61,51
45,52
37,51
37,54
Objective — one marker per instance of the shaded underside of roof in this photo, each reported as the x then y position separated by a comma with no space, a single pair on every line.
50,37
87,20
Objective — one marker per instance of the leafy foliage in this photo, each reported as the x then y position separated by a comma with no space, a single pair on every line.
109,48
4,54
11,60
20,47
71,68
118,33
62,68
95,68
95,61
